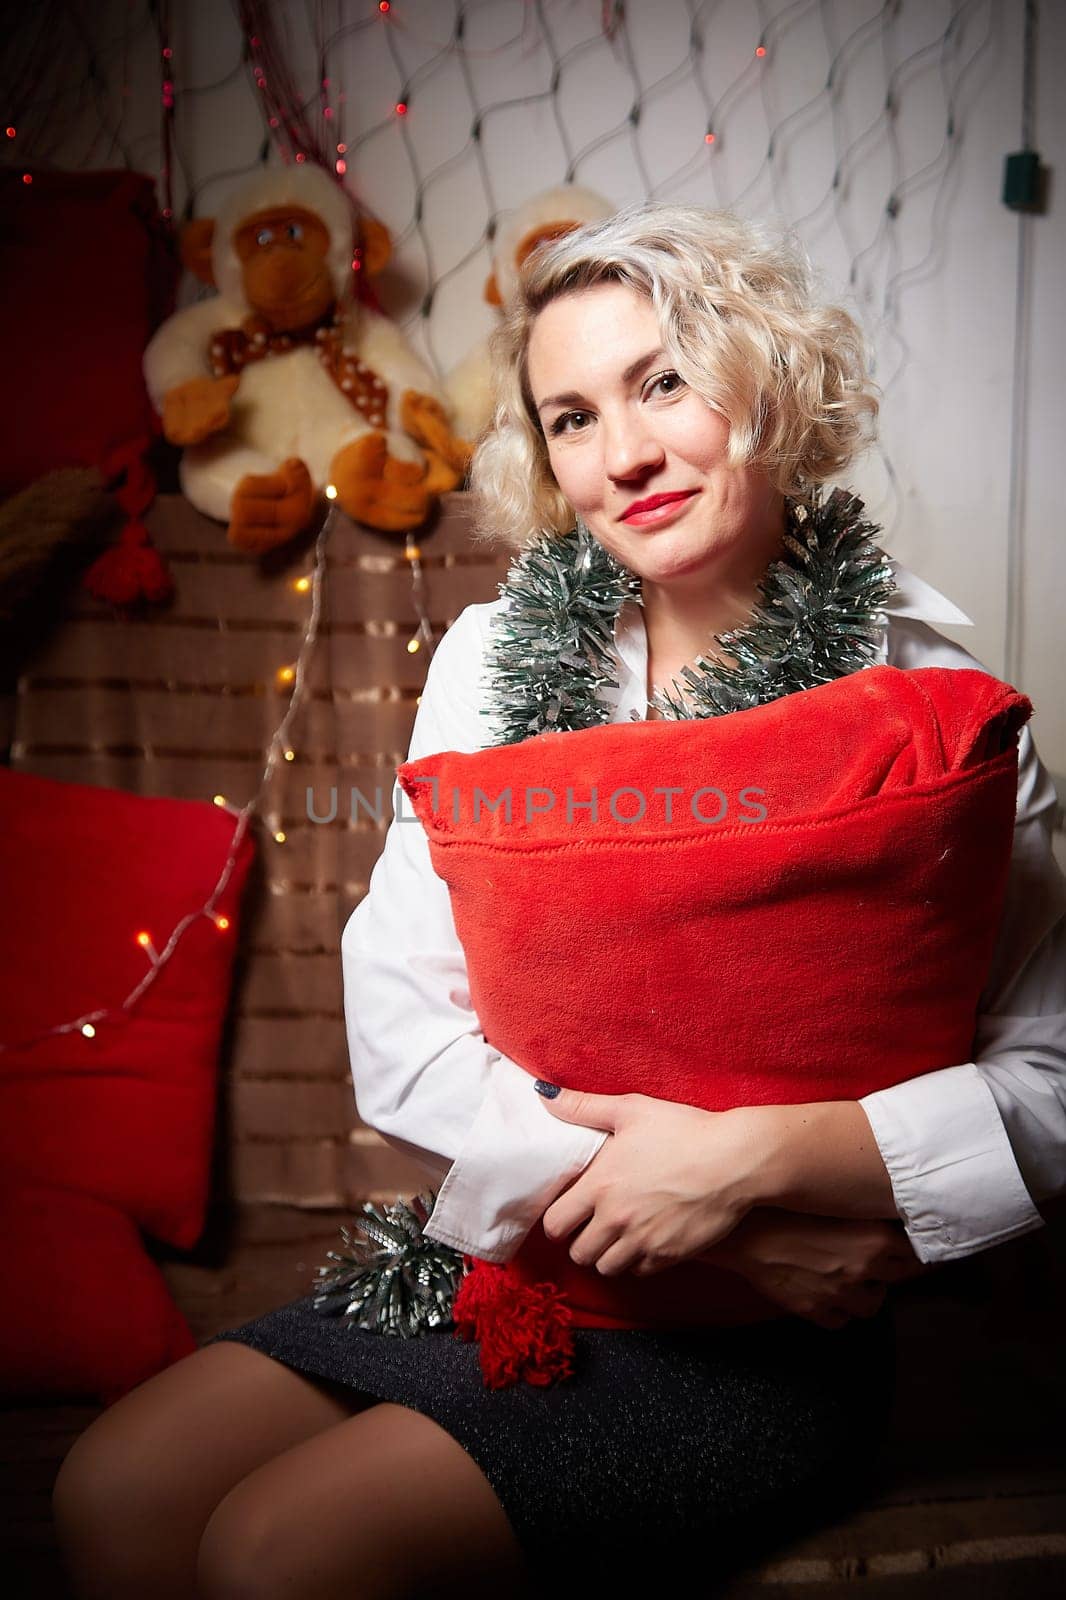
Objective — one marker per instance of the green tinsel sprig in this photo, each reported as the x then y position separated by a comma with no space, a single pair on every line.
391,1278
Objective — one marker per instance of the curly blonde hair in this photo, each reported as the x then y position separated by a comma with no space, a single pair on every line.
739,319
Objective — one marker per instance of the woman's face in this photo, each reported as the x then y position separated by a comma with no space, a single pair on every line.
622,427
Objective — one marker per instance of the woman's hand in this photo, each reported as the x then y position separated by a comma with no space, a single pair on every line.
826,1269
673,1181
668,1184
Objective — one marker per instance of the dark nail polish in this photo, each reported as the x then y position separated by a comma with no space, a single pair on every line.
548,1090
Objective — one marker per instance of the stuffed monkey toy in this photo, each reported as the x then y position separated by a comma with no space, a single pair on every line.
282,384
546,216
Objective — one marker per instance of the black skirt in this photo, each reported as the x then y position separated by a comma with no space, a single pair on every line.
715,1446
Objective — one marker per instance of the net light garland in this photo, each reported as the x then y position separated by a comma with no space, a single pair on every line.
866,209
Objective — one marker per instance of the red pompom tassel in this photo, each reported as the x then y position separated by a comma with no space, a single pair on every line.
524,1331
131,570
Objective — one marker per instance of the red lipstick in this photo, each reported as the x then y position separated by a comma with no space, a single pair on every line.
641,509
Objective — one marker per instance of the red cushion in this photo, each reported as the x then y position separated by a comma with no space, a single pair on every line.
126,1116
87,1314
830,945
88,274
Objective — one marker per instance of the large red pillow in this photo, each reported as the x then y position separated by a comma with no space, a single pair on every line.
827,936
128,1115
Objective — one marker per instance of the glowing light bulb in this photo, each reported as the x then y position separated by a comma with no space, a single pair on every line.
219,799
331,491
300,156
11,133
412,552
412,646
301,585
760,50
383,6
708,138
144,939
342,149
290,755
221,923
342,167
400,108
286,674
27,177
280,837
88,1030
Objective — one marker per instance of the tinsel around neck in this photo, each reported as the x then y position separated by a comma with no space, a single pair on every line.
817,618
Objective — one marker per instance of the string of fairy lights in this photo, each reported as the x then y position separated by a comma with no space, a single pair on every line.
280,748
291,676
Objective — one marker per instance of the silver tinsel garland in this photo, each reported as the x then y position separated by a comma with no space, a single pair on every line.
817,618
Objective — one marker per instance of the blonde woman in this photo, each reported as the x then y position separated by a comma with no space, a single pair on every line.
668,380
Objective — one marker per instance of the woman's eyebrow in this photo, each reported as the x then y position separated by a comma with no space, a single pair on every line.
573,398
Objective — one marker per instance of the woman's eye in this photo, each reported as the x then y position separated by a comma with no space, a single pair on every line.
265,236
676,377
559,425
295,230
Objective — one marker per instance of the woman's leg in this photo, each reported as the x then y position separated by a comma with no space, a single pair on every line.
385,1505
136,1490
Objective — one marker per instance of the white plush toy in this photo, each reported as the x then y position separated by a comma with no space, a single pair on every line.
546,216
282,383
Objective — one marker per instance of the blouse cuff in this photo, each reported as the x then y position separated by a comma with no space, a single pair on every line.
513,1163
954,1177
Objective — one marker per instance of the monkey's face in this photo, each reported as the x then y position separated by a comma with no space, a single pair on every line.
283,253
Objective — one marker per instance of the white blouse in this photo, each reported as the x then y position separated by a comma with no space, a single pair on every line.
969,1148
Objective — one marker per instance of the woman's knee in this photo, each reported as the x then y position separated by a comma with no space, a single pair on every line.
101,1478
334,1517
235,1559
99,1510
137,1488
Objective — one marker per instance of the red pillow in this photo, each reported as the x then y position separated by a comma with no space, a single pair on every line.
128,1115
88,273
829,936
87,1314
